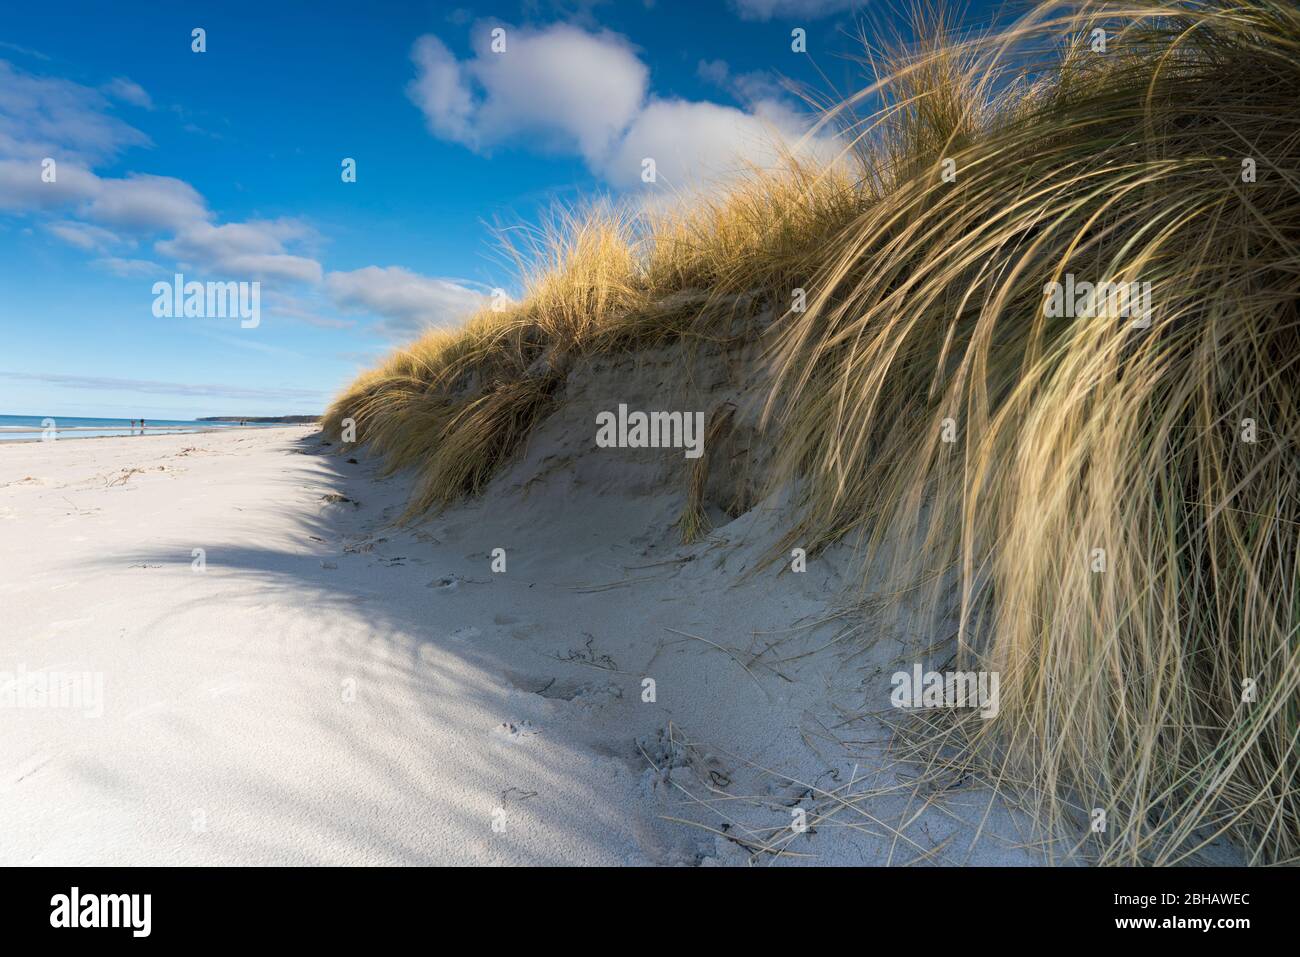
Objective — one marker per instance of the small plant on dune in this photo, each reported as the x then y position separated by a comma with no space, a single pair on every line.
479,436
694,521
581,272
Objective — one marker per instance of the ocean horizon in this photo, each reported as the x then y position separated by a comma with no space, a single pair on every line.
28,427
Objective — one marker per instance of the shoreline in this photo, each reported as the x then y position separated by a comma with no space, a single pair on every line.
149,431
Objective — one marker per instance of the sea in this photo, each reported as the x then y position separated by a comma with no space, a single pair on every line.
19,427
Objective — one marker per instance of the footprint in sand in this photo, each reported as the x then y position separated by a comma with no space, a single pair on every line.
586,695
518,730
668,754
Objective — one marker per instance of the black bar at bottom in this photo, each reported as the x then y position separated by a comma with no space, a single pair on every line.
334,906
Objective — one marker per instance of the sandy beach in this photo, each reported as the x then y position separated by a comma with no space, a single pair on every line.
319,686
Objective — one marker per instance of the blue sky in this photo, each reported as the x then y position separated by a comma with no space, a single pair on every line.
225,165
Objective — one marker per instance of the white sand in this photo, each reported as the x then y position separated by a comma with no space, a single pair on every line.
226,736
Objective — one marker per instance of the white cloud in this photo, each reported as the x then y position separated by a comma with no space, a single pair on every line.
749,88
408,302
812,9
714,71
566,88
25,51
257,249
695,143
130,268
23,189
137,202
146,203
46,116
441,91
84,235
128,91
573,89
561,82
305,309
72,124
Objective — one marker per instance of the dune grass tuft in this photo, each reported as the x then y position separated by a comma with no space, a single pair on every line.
1122,498
694,521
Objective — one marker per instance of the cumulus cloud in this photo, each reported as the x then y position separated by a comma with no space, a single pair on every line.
257,249
135,203
407,302
146,203
72,124
112,211
565,88
573,89
692,142
22,188
441,90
